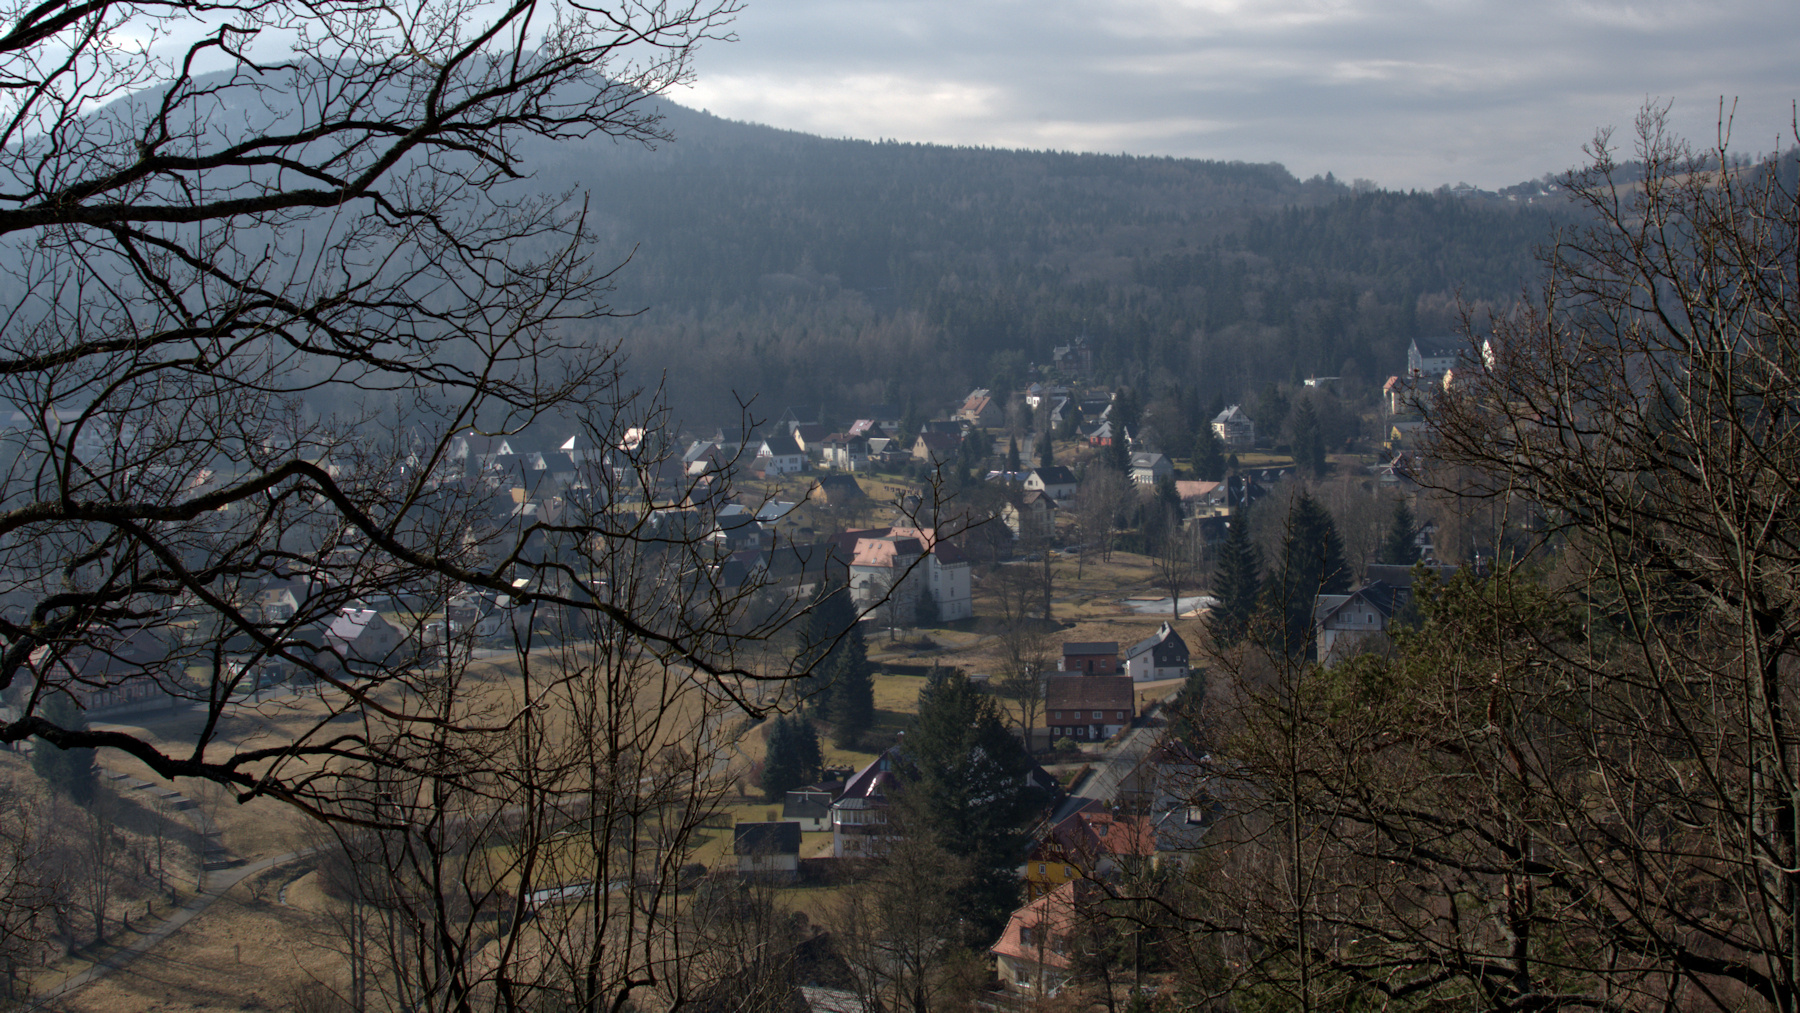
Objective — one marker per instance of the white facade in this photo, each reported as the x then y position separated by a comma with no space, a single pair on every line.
950,589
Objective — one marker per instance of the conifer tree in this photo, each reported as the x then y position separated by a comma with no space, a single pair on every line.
1398,547
1311,564
793,756
1209,455
1046,450
1013,464
828,625
1236,585
969,789
852,692
1308,439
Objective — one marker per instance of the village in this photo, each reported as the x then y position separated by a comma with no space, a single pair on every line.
1013,541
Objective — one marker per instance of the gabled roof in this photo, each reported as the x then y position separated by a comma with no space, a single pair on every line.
1166,632
1383,597
352,623
938,441
1147,460
1188,490
885,551
1091,692
1090,647
1056,474
780,838
1235,413
781,445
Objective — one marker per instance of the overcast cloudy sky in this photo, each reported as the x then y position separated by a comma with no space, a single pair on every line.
1409,93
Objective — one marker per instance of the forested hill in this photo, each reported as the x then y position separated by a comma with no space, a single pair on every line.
806,269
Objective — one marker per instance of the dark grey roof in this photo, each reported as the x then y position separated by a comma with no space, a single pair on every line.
1056,474
782,838
1091,647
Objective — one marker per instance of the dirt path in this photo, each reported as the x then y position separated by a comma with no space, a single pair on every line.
218,884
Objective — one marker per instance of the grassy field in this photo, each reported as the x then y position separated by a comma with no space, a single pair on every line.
253,945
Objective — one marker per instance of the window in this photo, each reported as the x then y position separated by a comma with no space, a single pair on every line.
1096,715
1041,871
1025,935
1068,873
1121,715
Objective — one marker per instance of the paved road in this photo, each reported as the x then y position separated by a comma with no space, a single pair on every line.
1103,779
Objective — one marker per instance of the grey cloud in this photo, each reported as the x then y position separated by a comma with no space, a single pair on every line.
1408,93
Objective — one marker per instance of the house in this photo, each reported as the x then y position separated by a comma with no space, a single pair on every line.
360,639
1234,428
889,568
1162,655
1063,849
982,409
1100,434
947,577
943,574
1348,624
859,814
1033,516
1034,951
1148,468
115,668
810,807
845,452
1432,364
795,416
767,850
1056,481
1090,657
1075,357
1405,435
810,436
837,490
784,456
1199,499
1088,708
935,448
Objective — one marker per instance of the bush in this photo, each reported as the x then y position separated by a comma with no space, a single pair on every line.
1067,745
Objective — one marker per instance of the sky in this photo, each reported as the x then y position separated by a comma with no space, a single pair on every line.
1407,93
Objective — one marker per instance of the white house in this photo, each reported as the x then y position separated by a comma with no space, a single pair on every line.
785,456
768,850
1234,428
1147,468
1056,481
1163,655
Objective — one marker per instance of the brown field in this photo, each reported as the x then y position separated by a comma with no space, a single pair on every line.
264,937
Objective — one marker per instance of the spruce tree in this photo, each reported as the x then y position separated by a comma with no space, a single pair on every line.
829,623
852,692
968,787
1398,547
1308,439
1311,564
1236,585
70,772
793,756
1209,455
1046,450
1013,465
1118,454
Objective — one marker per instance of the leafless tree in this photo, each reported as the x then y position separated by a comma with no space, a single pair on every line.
898,929
1098,500
1568,788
